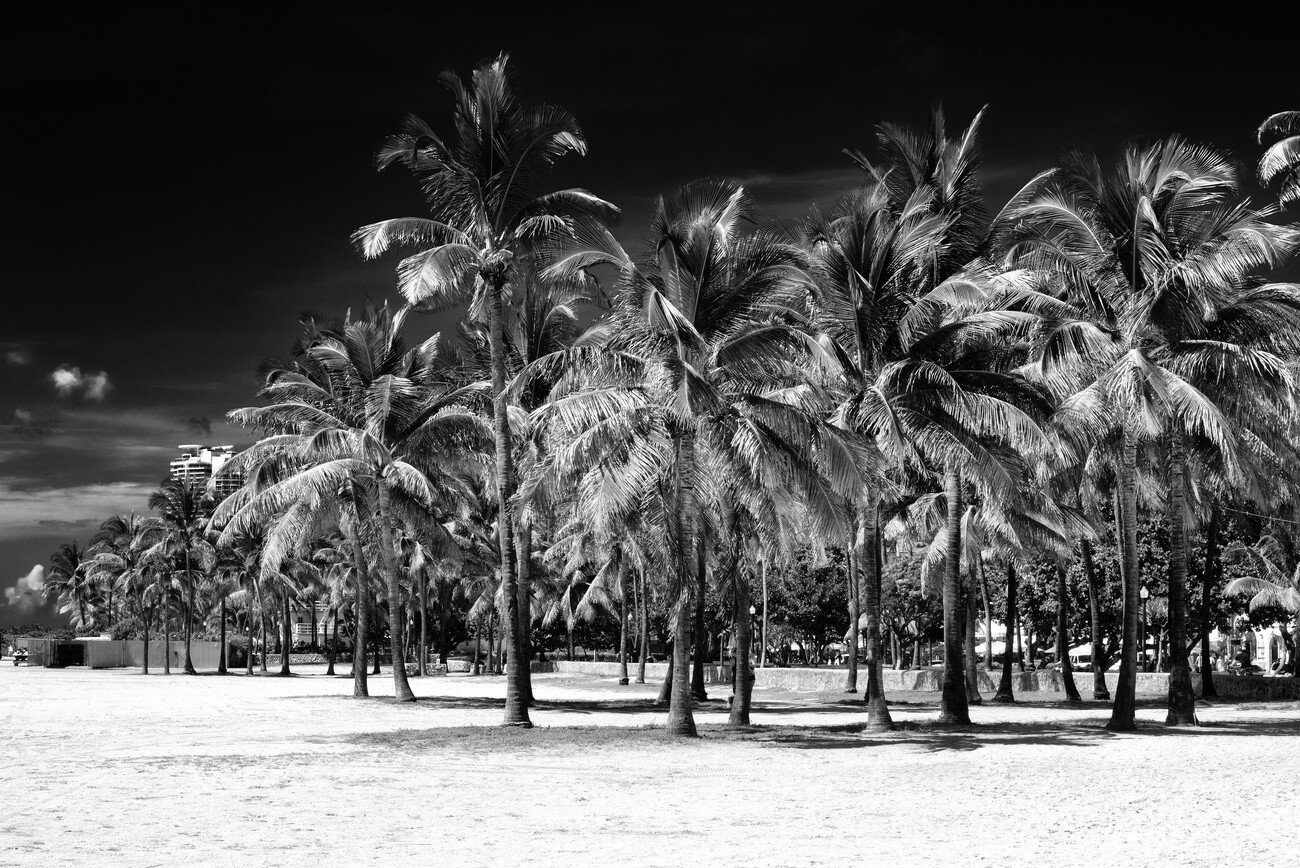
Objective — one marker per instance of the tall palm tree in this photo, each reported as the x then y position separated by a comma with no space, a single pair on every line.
183,512
486,189
692,393
384,423
927,381
1157,262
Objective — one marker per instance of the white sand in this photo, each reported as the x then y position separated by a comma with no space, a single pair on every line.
109,767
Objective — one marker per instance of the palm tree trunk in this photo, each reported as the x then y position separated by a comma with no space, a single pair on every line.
261,624
642,626
1063,635
444,621
1123,712
189,612
387,553
1208,576
988,615
248,622
145,613
378,648
698,691
622,623
681,722
167,631
666,686
286,637
516,710
422,664
851,680
1182,697
878,717
523,564
968,649
1006,691
332,643
744,688
953,708
1099,688
359,685
221,663
762,650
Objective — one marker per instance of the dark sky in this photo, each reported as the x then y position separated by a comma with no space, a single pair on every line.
179,186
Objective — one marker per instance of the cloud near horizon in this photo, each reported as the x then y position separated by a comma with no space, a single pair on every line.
68,381
25,593
35,512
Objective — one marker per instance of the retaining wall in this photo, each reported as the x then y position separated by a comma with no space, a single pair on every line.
1148,684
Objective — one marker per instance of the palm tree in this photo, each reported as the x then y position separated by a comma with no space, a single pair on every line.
486,191
907,305
1272,586
183,511
691,395
118,559
378,423
68,583
1157,263
1280,164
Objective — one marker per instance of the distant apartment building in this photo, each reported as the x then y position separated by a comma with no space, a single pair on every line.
199,463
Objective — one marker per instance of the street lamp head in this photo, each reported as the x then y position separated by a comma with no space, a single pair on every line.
1144,593
753,611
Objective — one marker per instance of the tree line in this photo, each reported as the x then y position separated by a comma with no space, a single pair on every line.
928,394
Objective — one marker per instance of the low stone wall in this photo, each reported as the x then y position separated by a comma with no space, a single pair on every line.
1148,684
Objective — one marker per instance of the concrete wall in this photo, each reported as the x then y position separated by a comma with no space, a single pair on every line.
110,654
1149,684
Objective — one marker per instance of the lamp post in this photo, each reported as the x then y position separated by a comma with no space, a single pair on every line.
1144,593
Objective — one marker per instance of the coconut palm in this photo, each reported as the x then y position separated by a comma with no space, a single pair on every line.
1271,586
1280,164
486,189
1157,262
375,423
692,394
67,582
908,306
118,560
183,512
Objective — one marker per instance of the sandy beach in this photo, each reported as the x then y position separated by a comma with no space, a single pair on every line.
112,767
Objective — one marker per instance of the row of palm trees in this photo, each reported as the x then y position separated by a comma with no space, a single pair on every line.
1105,333
906,369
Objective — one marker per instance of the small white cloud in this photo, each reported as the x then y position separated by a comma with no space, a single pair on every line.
68,380
18,357
23,417
25,594
97,386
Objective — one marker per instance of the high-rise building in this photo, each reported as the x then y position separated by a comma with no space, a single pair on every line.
198,464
